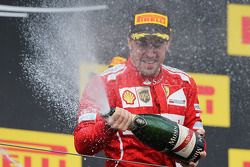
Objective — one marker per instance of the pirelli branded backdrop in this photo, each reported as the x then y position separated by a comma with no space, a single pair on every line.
40,149
238,29
49,50
211,89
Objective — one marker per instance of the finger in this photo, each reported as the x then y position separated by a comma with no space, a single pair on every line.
110,120
194,164
184,165
118,122
125,120
121,119
113,119
129,121
191,164
203,154
201,131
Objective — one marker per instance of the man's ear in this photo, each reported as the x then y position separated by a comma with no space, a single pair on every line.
167,45
169,42
129,43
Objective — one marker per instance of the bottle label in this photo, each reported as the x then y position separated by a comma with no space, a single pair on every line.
139,121
185,143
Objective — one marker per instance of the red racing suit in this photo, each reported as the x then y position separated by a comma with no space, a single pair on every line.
172,94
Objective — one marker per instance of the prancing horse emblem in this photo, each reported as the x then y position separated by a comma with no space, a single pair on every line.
166,90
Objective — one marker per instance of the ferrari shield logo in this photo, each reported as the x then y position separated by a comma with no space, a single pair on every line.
144,95
166,90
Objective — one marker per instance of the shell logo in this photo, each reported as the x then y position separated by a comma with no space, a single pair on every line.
128,97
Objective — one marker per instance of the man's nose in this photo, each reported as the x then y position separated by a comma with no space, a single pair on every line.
151,51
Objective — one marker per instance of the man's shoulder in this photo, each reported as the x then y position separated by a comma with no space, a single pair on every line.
175,72
113,72
114,69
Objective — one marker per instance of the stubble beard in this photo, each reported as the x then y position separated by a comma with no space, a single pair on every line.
149,72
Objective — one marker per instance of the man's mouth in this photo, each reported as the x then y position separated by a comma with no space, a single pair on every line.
149,61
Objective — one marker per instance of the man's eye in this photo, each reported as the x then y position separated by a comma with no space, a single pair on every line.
157,45
143,44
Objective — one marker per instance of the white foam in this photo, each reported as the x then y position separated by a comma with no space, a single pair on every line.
56,45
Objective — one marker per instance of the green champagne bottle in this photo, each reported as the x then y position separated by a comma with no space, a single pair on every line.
167,136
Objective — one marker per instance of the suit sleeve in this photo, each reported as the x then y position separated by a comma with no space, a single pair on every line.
193,113
91,136
92,133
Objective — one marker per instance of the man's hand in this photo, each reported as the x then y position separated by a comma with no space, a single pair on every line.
203,154
121,119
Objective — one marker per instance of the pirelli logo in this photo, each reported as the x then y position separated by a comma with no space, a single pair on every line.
208,91
238,157
45,149
214,97
246,29
151,18
238,29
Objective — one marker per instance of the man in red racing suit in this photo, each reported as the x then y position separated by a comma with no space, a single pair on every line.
172,94
143,85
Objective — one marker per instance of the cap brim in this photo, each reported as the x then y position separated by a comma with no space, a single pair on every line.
143,30
139,35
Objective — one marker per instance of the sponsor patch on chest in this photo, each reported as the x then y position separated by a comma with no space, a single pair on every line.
177,98
135,97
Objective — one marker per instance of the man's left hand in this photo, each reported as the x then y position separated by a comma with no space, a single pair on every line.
203,154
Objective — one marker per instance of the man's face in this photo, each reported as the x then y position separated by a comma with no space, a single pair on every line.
147,54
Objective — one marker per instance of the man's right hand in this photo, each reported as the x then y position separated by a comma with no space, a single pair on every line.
121,119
